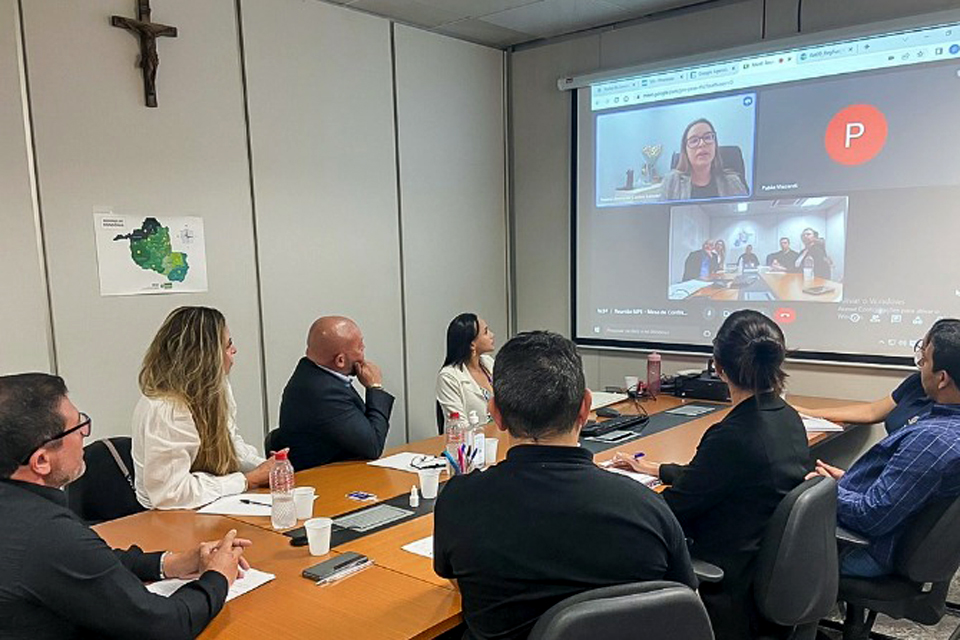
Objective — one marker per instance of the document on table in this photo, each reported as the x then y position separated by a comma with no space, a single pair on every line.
403,461
422,547
690,410
819,425
642,478
252,578
259,505
603,399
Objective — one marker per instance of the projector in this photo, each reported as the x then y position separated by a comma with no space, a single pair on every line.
702,386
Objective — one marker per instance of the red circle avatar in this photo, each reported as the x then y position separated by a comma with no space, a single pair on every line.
856,134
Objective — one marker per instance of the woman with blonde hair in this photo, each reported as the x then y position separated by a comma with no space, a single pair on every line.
186,448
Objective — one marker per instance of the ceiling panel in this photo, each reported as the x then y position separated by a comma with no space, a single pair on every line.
484,33
476,8
410,11
554,17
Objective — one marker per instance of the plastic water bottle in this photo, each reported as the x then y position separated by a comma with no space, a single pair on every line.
478,439
808,270
283,513
653,373
454,433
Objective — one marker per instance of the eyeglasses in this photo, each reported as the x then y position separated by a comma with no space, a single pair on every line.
918,357
85,426
696,141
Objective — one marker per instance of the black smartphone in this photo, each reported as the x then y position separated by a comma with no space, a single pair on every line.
333,566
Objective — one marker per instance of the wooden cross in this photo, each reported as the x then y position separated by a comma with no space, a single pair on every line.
147,32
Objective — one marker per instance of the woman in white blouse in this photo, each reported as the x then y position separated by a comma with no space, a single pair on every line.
465,383
186,449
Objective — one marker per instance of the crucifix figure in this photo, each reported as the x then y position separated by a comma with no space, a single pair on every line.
147,32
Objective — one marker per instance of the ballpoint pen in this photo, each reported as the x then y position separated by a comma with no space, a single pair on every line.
260,504
453,463
347,571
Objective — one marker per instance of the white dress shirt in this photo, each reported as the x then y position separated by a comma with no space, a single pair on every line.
458,391
165,444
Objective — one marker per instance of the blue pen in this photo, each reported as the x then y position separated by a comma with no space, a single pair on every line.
638,455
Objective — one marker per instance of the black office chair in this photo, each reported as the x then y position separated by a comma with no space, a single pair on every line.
926,560
796,574
649,610
272,442
440,418
105,490
730,155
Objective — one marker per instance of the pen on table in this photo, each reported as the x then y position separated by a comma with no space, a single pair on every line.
261,504
350,570
638,455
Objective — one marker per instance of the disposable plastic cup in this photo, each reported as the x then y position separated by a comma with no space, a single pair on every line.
318,535
303,501
429,482
490,451
630,383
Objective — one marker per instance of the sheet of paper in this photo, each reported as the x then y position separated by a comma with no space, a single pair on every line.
819,425
422,547
260,504
252,578
642,478
401,461
604,399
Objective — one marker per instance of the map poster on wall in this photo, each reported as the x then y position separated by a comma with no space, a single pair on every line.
139,255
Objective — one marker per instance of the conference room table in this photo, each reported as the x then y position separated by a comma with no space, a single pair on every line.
780,285
400,596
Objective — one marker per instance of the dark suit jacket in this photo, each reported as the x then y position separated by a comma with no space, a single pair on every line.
787,259
691,266
323,419
744,466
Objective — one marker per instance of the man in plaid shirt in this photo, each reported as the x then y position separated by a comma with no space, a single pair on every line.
906,470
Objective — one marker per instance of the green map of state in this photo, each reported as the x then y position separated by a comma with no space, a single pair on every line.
151,250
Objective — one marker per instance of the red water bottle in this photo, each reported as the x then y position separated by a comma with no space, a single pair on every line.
653,373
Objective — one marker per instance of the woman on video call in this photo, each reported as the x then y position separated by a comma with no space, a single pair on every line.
700,173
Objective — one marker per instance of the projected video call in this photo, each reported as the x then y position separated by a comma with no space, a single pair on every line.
814,188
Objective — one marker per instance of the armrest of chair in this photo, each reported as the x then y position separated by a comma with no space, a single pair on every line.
845,536
707,572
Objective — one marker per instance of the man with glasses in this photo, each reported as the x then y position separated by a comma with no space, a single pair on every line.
58,579
906,470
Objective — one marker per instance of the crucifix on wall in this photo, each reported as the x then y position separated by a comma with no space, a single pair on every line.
147,32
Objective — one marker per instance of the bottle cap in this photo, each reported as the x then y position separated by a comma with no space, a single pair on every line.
454,415
280,455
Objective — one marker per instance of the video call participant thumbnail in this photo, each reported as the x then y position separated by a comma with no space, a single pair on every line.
700,173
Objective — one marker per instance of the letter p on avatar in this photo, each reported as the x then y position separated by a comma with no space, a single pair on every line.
854,130
855,134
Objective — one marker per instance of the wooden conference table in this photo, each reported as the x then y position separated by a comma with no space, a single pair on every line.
782,286
400,596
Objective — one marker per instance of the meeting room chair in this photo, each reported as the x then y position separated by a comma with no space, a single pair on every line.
271,442
105,490
796,575
657,610
926,560
440,417
795,584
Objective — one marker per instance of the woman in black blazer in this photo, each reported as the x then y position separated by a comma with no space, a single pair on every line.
744,465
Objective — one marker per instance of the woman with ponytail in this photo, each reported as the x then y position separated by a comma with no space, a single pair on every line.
186,448
744,465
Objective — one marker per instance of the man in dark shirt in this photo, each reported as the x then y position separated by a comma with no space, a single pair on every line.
785,259
547,523
58,579
912,466
322,417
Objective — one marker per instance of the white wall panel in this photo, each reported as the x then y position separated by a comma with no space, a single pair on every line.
319,83
24,321
98,146
450,118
